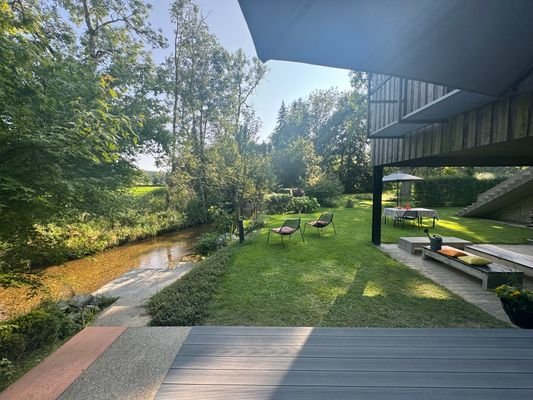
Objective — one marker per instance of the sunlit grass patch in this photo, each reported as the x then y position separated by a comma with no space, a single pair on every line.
343,280
474,229
143,190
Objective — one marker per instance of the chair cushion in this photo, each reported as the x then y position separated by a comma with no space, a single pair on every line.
451,251
284,230
315,223
474,260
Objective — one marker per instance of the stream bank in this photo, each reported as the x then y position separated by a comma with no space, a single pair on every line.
144,259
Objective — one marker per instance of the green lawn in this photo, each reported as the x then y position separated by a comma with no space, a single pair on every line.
473,229
143,190
344,280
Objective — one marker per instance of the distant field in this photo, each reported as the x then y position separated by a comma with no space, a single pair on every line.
143,190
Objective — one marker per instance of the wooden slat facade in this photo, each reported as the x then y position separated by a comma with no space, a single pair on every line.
351,363
392,98
499,133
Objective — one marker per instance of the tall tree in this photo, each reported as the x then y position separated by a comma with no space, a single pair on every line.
59,139
111,24
297,163
322,104
209,89
335,123
114,36
295,124
196,92
244,75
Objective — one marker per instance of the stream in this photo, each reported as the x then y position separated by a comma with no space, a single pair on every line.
133,266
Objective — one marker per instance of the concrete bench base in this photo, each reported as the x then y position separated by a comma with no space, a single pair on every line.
491,275
412,244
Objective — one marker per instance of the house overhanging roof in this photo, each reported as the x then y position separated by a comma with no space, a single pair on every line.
481,46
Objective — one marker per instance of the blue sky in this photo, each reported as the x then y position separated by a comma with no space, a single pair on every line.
285,81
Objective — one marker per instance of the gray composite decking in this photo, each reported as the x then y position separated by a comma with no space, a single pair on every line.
351,363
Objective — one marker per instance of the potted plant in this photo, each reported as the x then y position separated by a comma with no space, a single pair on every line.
518,304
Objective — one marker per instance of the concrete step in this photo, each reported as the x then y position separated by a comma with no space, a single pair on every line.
502,189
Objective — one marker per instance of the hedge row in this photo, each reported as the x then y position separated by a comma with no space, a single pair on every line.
283,203
448,191
185,302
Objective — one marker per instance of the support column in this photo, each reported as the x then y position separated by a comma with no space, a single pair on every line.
377,192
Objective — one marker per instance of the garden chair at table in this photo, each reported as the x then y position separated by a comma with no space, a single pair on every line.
289,227
322,221
410,215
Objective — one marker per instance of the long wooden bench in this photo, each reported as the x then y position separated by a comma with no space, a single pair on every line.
492,275
506,257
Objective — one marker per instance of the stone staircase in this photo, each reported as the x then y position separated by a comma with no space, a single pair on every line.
512,189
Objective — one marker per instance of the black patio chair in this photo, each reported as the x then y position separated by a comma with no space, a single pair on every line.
322,221
289,227
409,215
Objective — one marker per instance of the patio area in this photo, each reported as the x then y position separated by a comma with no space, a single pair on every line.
351,363
457,282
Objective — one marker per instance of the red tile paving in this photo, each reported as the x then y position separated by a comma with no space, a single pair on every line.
57,372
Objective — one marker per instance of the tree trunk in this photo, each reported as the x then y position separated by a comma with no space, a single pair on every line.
91,33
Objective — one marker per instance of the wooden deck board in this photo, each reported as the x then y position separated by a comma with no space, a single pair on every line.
365,341
351,363
306,331
418,379
215,392
356,352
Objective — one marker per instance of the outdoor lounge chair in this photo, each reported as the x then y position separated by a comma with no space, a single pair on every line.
289,227
322,221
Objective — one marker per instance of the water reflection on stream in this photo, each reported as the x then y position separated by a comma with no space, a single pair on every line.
90,273
165,251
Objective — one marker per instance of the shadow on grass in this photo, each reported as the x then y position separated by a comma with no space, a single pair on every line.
334,281
394,297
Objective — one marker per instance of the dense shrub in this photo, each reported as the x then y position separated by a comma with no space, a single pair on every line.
284,203
350,203
7,370
451,190
137,218
185,302
207,243
223,219
195,212
298,192
303,204
37,329
257,222
40,329
325,188
12,344
277,203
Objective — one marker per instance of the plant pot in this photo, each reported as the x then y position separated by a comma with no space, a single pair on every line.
521,318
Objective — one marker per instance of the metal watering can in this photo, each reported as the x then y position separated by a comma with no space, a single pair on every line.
435,241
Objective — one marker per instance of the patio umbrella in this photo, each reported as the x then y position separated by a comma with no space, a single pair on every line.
400,177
